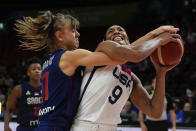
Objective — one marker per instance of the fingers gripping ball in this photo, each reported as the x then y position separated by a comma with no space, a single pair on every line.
169,54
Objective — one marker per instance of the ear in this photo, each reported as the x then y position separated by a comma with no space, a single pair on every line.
59,36
28,74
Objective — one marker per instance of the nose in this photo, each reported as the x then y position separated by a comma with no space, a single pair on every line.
116,32
77,34
38,71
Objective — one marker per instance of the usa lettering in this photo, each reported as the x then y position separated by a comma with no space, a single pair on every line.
122,77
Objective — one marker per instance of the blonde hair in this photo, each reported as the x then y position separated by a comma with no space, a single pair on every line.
38,33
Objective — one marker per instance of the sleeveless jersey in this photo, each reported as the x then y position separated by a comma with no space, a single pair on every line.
60,93
29,105
106,94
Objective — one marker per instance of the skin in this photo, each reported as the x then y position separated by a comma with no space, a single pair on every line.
139,49
152,107
120,47
67,38
34,74
172,113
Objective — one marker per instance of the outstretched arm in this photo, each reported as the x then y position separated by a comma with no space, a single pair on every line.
141,48
139,96
70,60
10,106
154,33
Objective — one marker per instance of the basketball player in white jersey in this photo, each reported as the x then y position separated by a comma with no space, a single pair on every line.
109,87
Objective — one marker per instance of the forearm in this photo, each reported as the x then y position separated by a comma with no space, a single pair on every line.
131,53
141,117
7,118
157,101
144,38
144,48
173,118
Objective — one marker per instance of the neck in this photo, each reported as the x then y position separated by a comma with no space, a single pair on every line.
35,83
57,47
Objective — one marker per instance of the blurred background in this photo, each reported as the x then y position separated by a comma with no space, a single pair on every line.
137,17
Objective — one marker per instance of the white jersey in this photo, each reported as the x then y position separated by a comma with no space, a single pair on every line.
106,94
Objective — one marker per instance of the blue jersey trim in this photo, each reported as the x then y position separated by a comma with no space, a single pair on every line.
87,83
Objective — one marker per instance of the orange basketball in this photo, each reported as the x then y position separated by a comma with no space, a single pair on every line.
169,54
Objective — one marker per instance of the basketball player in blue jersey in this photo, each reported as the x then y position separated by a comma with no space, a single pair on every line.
61,75
105,91
27,98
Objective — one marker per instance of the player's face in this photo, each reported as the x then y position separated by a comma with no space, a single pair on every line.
118,34
34,71
70,37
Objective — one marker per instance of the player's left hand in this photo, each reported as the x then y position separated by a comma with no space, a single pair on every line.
162,69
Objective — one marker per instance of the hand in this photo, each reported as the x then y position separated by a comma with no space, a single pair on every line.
162,69
143,127
173,128
168,37
7,128
167,28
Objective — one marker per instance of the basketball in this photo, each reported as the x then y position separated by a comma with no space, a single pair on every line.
169,54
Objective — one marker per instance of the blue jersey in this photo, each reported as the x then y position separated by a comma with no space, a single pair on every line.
60,93
29,105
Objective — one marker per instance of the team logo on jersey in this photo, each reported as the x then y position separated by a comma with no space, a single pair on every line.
36,93
28,93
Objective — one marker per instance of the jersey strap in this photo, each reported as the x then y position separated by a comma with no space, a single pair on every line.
87,83
89,79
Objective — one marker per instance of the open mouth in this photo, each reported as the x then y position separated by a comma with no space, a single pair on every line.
117,38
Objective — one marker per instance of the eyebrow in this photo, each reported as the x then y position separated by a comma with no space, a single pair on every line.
110,29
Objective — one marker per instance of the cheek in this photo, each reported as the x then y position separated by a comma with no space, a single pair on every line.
70,37
108,37
124,35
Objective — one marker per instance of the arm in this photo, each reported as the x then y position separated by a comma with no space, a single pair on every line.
137,51
141,119
139,96
155,33
70,60
10,106
173,119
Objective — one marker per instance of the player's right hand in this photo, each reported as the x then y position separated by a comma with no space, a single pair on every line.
168,37
166,28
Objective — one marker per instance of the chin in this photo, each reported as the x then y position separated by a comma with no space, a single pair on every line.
118,41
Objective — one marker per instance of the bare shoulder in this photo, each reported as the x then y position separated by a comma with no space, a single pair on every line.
69,60
136,80
17,91
17,88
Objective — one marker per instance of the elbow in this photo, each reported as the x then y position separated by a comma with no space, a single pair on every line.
120,60
156,114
